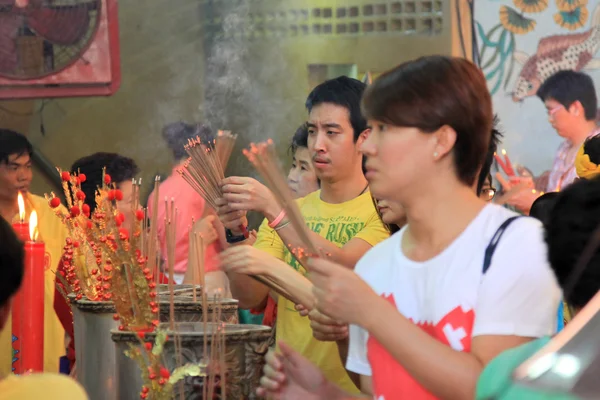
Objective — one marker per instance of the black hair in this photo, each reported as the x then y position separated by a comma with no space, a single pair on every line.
300,139
12,257
436,91
591,147
12,143
486,167
569,86
573,219
542,207
177,135
345,92
120,169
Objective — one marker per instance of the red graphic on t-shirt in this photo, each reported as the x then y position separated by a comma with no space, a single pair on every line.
391,381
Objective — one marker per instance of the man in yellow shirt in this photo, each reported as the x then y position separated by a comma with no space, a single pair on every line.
341,215
15,177
35,386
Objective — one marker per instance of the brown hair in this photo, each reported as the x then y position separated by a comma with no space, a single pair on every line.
432,92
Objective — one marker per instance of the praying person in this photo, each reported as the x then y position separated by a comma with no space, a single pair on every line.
571,102
463,280
15,176
341,216
190,205
48,386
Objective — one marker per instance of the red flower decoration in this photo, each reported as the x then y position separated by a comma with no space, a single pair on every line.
54,202
65,176
80,195
118,195
107,179
139,215
82,178
75,211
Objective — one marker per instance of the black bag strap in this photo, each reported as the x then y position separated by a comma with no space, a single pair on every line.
491,248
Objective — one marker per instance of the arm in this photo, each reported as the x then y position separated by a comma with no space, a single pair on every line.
248,260
517,302
243,194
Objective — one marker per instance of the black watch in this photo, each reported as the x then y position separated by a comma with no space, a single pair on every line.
231,238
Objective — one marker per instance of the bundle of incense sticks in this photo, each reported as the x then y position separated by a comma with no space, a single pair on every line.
224,144
264,158
204,170
152,240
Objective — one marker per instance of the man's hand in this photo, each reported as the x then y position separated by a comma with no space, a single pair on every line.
289,375
340,293
325,329
245,260
518,193
247,194
206,228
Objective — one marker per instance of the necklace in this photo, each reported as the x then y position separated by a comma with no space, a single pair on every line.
364,190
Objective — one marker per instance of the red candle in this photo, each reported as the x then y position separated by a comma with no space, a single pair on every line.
28,307
21,228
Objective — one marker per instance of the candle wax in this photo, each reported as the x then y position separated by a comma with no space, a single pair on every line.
22,230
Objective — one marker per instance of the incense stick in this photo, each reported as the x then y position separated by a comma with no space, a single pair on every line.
170,231
152,240
264,158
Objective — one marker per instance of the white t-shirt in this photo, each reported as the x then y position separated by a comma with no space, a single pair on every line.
451,299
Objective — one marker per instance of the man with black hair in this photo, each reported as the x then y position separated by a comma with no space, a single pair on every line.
571,102
34,386
15,176
122,170
341,216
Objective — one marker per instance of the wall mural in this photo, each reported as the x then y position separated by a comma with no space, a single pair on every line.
523,42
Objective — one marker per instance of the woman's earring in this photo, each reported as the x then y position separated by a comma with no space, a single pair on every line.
435,154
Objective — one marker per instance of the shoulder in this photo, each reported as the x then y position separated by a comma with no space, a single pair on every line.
50,386
374,258
310,198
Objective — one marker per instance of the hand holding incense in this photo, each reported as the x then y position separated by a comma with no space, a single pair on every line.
505,164
264,158
205,169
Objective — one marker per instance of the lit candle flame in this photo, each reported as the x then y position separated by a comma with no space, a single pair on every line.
21,203
503,152
33,230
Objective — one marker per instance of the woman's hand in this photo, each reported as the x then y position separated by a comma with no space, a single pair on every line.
340,293
289,375
245,260
248,194
206,228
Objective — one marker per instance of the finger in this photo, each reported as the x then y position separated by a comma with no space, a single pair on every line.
236,180
329,337
274,360
269,384
221,202
332,328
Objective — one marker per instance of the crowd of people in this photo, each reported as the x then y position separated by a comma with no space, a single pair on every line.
428,285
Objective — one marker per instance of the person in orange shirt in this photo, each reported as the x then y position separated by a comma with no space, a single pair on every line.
190,206
35,386
15,177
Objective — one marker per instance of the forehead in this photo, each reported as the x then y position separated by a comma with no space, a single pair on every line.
551,103
20,159
302,154
329,113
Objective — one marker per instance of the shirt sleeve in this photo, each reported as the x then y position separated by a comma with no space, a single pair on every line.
269,241
374,231
357,361
519,294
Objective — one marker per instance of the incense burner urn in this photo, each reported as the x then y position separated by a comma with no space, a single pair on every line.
243,360
94,348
